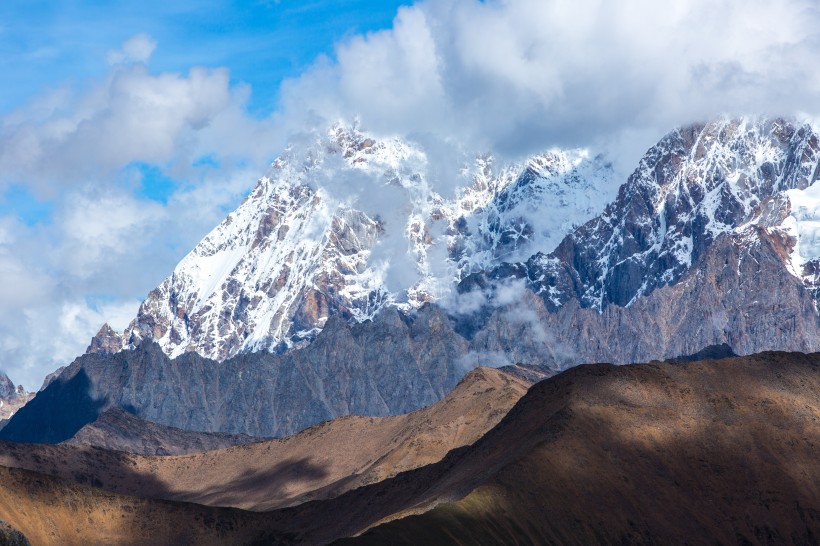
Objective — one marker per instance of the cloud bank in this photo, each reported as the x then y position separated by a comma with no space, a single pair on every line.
518,75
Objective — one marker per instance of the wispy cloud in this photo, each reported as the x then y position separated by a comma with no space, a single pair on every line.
67,138
137,49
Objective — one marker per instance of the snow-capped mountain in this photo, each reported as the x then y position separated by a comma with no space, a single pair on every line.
729,176
345,223
711,241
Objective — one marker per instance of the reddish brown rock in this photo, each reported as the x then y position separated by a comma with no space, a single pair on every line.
107,341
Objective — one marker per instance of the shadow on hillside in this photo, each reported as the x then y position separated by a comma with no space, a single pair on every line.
53,511
274,485
56,413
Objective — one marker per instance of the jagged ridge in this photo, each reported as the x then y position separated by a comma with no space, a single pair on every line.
699,182
295,253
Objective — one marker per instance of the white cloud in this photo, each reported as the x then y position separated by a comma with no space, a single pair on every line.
524,75
68,138
100,232
20,284
137,49
36,340
104,241
93,263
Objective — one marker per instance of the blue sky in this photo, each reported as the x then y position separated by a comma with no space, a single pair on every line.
45,44
129,129
52,45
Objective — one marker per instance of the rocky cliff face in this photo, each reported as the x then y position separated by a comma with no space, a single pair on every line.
710,241
295,253
696,185
383,367
106,341
740,292
7,388
394,364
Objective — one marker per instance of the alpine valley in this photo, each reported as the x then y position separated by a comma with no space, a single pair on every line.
364,290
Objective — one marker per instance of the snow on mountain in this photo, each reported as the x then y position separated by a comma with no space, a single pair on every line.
556,192
803,226
711,241
698,182
345,223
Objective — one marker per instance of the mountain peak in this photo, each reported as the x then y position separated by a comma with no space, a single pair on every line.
346,223
106,341
12,397
698,182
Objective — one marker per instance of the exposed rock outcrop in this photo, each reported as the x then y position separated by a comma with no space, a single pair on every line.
259,282
709,242
12,397
106,341
391,365
739,293
696,185
53,375
7,388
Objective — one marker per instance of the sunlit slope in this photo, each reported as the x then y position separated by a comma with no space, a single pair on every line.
708,452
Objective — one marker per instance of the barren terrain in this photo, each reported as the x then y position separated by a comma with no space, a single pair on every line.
707,452
321,462
717,451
